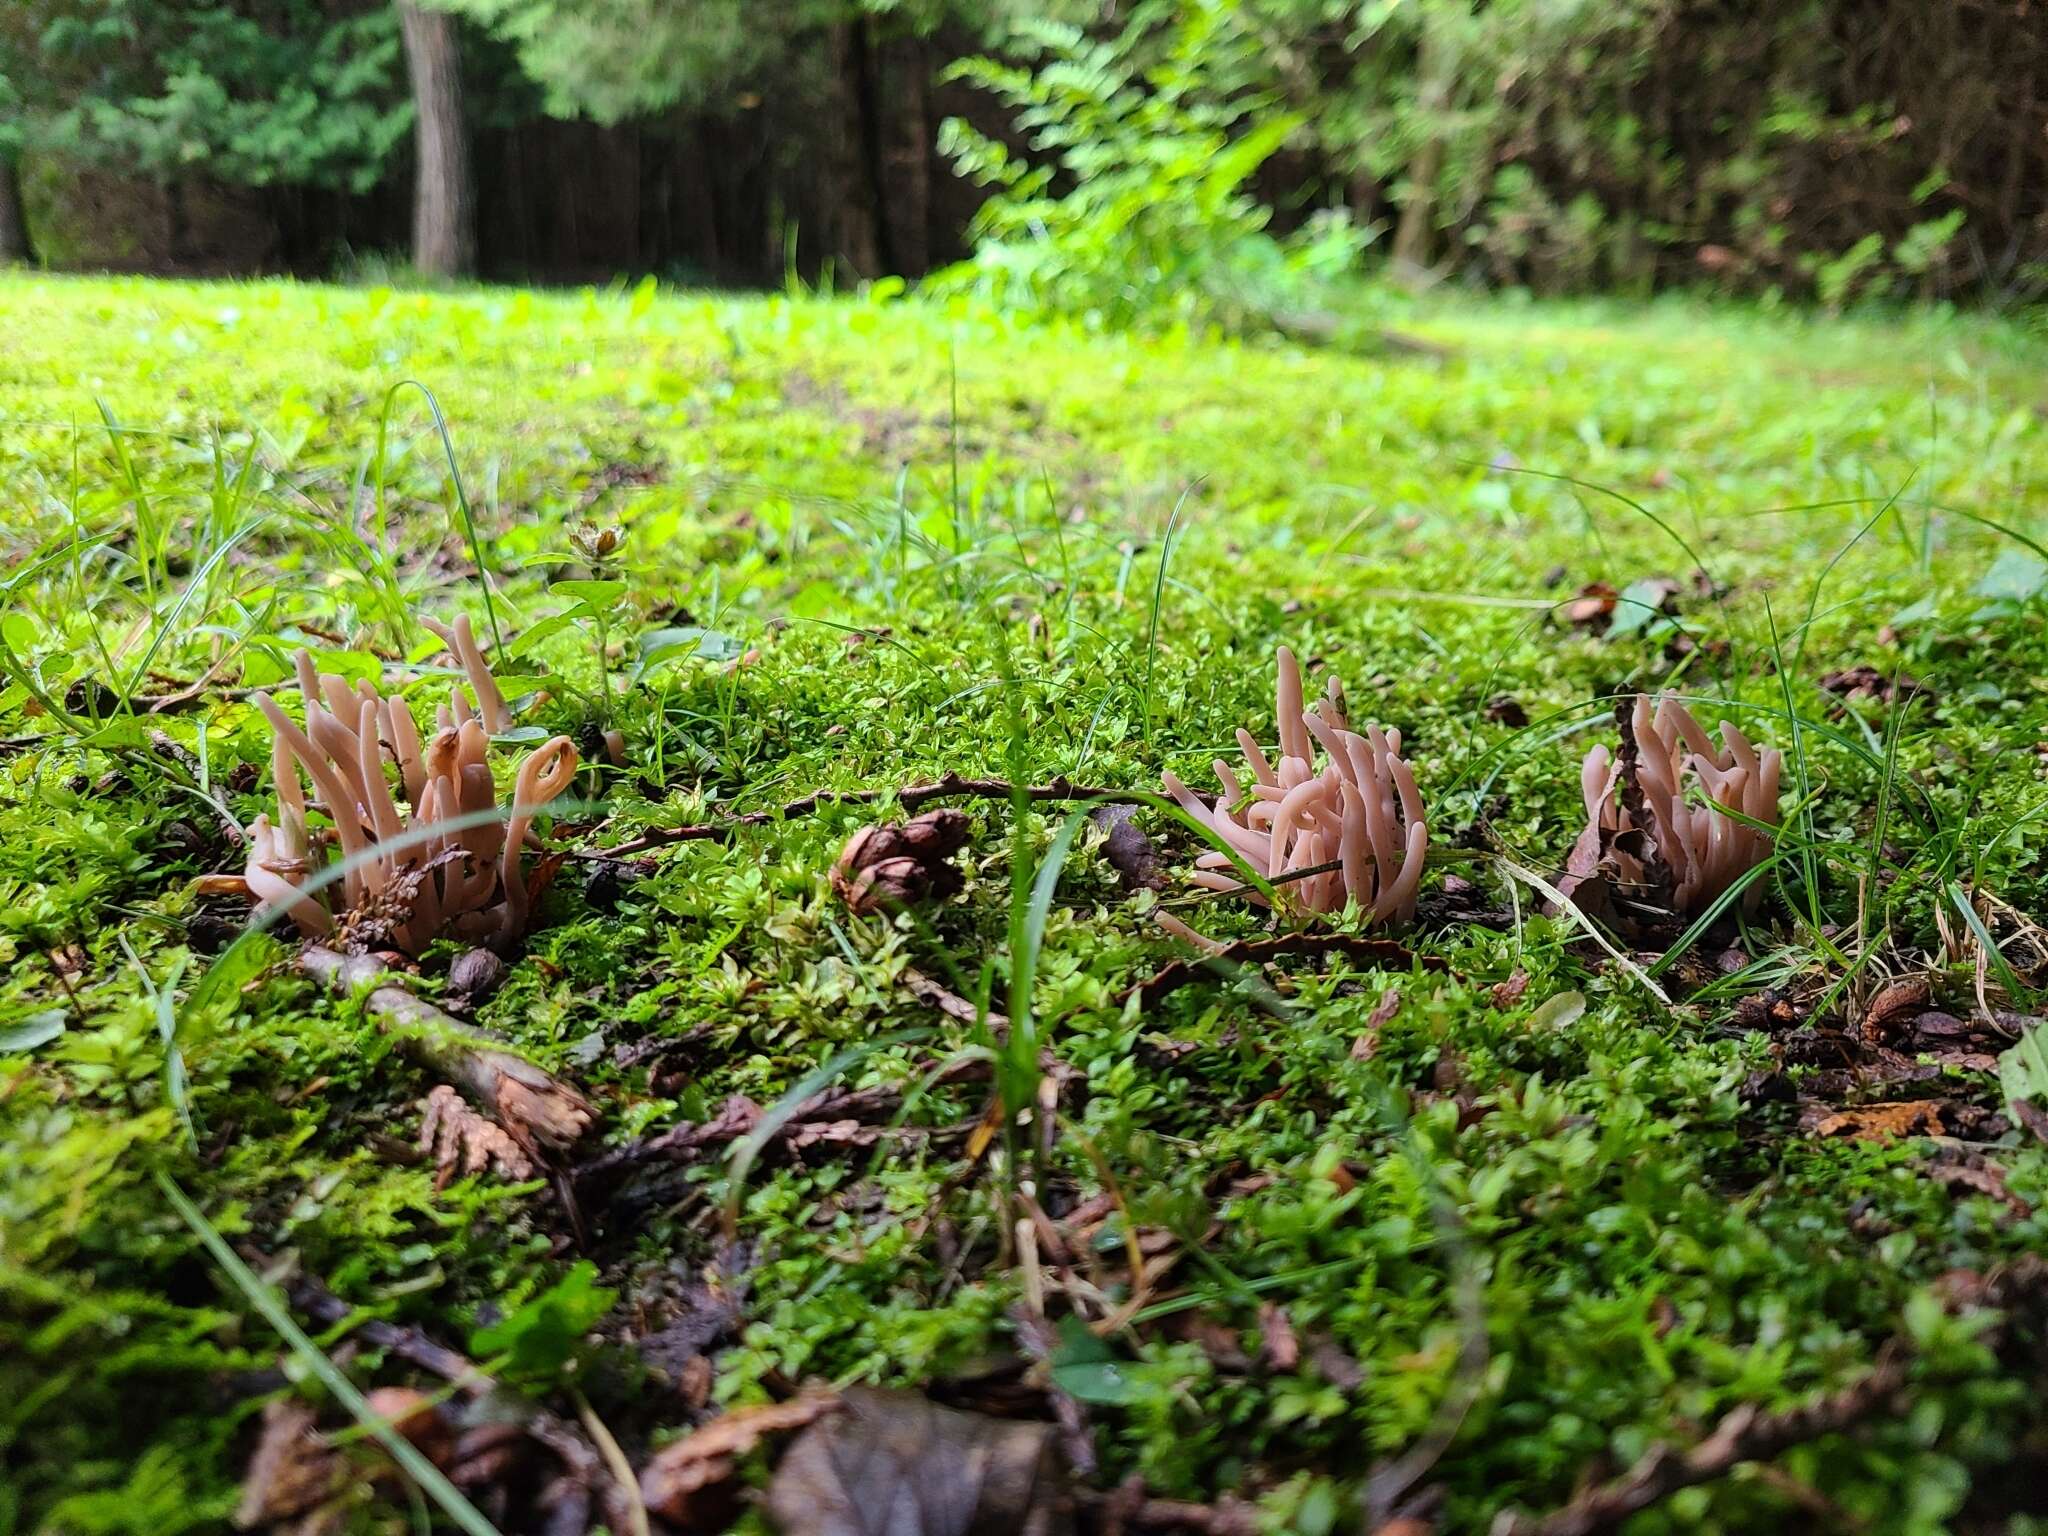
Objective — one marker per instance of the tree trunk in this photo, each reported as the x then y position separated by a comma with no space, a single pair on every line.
849,182
15,244
1418,210
444,202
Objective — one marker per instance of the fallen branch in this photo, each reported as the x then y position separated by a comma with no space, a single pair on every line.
950,787
1126,1508
1746,1434
935,994
1176,974
840,1117
537,1109
313,1300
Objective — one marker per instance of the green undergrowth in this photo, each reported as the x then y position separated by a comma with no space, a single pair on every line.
873,541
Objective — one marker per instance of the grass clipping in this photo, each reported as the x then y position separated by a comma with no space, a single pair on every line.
407,879
1358,821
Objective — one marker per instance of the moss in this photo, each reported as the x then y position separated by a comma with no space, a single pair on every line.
1644,1247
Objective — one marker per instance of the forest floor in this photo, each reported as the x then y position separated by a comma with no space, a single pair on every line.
1489,1223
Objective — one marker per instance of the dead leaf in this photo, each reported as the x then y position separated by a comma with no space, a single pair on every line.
1884,1122
1974,1172
1128,851
1505,709
1508,993
542,875
2033,1117
1866,682
1279,1349
690,1483
418,1418
463,1141
898,1464
1335,1364
1893,1005
293,1476
1593,607
1363,1048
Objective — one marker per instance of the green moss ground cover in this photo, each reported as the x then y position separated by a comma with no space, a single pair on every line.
888,542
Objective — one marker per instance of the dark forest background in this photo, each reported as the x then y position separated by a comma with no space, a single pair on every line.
1827,148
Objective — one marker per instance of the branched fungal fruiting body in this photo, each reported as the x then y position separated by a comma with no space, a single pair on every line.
1703,850
464,880
1361,812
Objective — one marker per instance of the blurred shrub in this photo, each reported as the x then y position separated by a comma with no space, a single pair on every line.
1130,204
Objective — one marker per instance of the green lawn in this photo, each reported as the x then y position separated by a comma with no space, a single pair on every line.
1540,1213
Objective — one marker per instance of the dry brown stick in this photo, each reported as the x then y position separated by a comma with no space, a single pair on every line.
1176,974
910,797
935,994
738,1117
1126,1508
1747,1433
311,1299
538,1109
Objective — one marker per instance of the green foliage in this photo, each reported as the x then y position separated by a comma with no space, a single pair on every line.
610,60
540,1340
294,93
1132,205
615,59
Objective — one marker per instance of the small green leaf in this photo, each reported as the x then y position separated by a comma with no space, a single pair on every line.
1559,1012
542,1337
599,594
1084,1367
1640,603
37,1029
541,629
661,646
2023,1069
2014,576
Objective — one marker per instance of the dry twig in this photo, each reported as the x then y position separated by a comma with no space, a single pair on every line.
539,1110
951,787
1746,1434
1176,974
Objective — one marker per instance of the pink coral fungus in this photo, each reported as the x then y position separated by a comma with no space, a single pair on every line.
1360,814
422,880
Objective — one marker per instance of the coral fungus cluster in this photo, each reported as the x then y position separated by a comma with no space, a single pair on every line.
1690,854
1357,822
452,865
1355,832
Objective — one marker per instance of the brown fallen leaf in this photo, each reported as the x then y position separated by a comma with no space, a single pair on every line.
1884,1122
1368,1042
690,1483
419,1419
898,1464
1510,992
1279,1349
1894,1005
293,1477
1593,607
1978,1173
1867,682
463,1141
2033,1117
1505,709
1127,850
